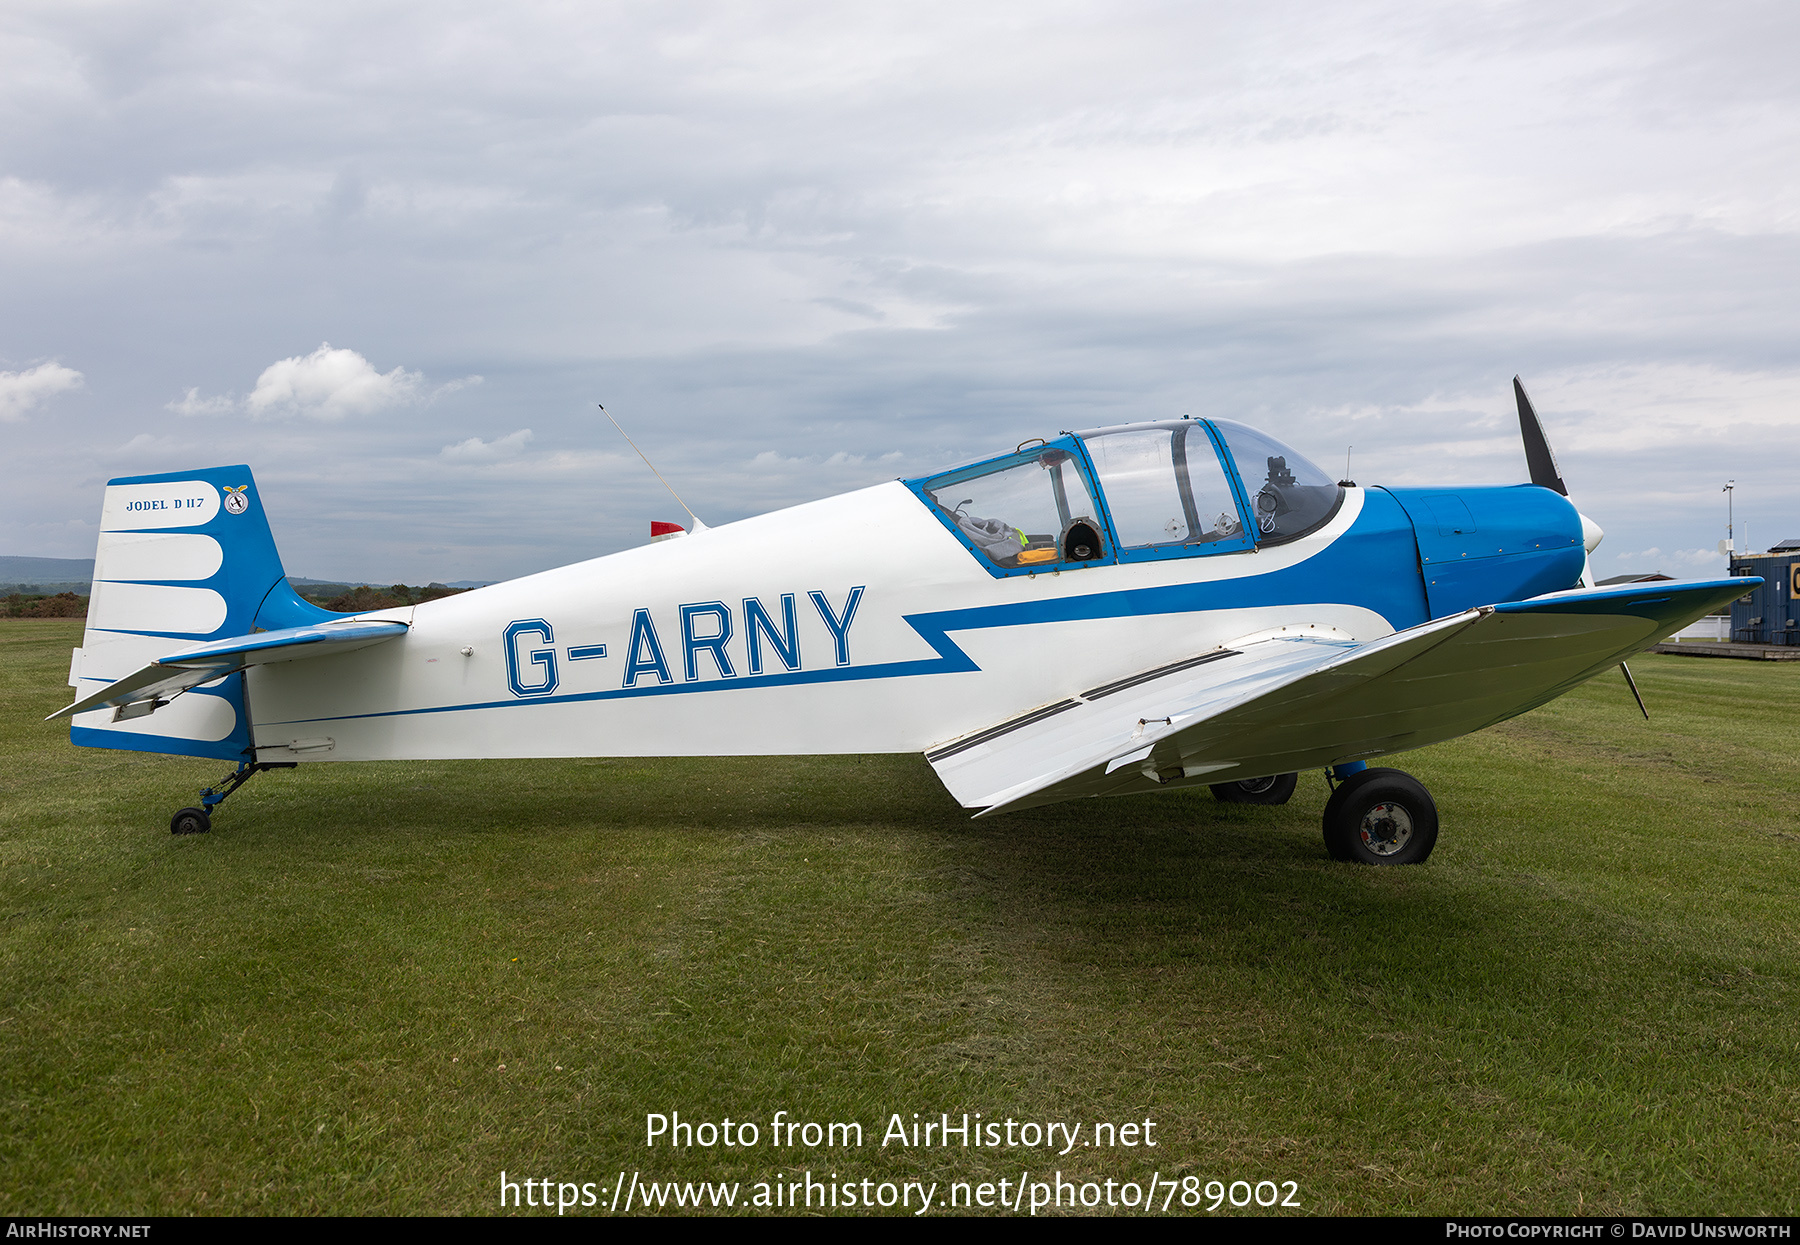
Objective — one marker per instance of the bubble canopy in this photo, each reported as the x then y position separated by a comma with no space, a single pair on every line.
1288,493
1136,492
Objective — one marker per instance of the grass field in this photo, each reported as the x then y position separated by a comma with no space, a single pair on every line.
374,987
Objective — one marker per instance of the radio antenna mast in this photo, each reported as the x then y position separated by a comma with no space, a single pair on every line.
698,526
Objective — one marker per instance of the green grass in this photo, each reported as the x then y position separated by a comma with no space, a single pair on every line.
1586,1002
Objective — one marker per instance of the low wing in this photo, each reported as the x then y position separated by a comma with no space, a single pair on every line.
1287,703
142,691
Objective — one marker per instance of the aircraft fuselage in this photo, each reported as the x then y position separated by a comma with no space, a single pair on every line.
859,624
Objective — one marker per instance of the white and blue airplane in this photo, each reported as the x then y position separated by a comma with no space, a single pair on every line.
1121,610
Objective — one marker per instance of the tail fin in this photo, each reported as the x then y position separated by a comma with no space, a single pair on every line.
183,558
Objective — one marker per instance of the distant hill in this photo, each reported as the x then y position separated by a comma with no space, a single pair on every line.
46,570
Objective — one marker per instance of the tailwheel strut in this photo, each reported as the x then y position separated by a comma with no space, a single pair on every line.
199,820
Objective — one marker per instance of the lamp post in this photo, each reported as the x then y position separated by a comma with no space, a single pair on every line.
1730,548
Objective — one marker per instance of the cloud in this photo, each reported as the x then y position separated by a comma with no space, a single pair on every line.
193,404
784,480
1673,561
475,450
331,384
22,391
452,386
849,230
326,384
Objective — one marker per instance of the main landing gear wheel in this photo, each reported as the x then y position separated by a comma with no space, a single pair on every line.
1275,789
1381,817
190,821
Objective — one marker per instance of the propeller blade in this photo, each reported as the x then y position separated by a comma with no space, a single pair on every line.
1632,683
1544,471
1538,458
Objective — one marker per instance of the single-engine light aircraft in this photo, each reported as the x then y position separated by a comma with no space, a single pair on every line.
1120,610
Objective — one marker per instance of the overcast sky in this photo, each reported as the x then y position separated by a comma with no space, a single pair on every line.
392,255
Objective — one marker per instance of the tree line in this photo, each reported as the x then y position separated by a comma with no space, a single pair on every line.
339,598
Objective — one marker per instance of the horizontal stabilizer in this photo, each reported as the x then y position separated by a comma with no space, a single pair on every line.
1286,704
146,689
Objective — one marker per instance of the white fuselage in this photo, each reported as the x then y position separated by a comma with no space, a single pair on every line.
516,669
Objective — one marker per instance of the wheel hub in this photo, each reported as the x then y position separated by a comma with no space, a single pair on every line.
1385,828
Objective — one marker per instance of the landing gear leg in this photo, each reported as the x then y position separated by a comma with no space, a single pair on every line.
1275,789
1380,817
199,820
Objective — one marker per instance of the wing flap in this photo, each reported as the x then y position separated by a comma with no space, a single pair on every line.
1287,704
1104,726
144,690
1141,746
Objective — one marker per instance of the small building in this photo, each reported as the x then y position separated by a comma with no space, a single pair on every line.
1767,615
1651,578
1715,626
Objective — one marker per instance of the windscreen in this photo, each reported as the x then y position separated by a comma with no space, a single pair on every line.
1288,494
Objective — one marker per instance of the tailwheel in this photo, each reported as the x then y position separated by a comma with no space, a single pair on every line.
1275,789
199,820
1381,817
190,821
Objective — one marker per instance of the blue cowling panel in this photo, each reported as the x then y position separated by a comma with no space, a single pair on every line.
1379,552
1488,544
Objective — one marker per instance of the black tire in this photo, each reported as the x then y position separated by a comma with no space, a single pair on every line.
190,821
1275,789
1381,817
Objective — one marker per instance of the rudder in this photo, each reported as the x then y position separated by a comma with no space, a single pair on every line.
183,558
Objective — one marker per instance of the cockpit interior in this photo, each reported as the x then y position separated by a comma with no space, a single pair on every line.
1136,492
